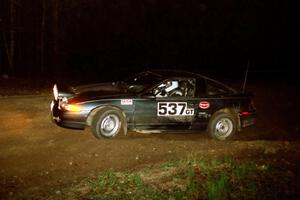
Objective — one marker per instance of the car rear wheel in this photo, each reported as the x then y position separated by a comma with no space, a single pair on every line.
108,123
222,126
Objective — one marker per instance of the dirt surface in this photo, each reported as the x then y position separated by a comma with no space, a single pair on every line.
37,157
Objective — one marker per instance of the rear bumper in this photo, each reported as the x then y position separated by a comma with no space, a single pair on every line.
248,120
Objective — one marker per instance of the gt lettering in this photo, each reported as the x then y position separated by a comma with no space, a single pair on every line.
173,109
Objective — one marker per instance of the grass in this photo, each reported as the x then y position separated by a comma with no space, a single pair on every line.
189,178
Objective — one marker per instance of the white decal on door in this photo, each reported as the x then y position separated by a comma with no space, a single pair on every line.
174,109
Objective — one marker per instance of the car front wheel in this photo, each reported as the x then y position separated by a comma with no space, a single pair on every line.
108,123
222,126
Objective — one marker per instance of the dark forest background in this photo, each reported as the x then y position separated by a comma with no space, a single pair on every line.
100,39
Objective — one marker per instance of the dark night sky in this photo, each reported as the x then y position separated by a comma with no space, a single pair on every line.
89,37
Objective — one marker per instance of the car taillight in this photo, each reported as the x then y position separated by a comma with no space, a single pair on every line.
245,113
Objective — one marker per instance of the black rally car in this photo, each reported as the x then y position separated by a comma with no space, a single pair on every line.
154,101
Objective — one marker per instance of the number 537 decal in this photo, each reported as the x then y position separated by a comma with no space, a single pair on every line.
174,109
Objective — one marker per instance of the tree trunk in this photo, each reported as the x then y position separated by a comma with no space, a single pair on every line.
11,54
43,23
55,31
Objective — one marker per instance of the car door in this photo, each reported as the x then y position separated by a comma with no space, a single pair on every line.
166,106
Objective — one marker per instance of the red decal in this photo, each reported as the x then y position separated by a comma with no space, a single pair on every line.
204,104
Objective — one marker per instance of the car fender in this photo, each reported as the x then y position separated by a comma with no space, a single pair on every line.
97,109
231,111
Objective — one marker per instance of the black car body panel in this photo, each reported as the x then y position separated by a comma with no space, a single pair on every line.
147,105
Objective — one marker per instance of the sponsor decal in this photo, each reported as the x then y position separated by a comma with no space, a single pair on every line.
174,109
126,102
204,104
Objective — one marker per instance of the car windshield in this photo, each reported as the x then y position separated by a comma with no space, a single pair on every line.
144,78
142,81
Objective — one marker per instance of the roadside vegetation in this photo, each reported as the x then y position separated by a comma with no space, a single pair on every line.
189,178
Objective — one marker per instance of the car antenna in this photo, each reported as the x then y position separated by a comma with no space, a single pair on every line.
246,76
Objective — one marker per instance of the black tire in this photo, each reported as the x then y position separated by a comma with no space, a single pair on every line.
222,126
108,123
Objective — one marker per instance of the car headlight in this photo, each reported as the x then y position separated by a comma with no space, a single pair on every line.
55,92
63,103
71,107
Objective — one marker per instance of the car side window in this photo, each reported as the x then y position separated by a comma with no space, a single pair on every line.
166,88
175,88
215,89
187,87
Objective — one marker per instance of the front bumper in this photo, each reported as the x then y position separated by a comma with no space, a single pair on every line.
76,120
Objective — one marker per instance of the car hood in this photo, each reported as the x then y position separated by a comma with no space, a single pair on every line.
71,91
107,86
92,92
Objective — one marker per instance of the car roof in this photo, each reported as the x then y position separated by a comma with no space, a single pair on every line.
166,73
